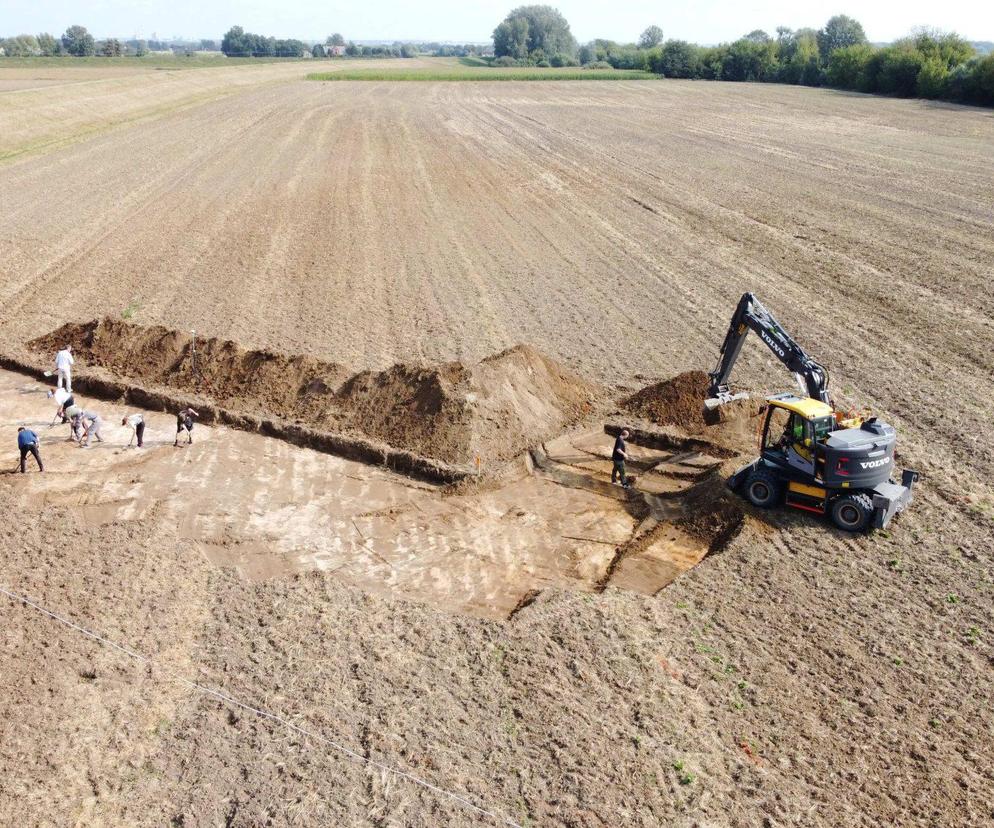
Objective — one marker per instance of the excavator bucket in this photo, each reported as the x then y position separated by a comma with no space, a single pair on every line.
723,398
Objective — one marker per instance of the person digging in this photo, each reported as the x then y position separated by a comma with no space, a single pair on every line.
27,441
136,422
184,421
619,456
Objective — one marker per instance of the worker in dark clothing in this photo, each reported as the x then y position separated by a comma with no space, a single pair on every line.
184,422
619,456
27,441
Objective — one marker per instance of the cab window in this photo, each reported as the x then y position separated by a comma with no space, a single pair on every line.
822,427
780,427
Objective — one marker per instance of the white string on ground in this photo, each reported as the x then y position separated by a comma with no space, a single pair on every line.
224,697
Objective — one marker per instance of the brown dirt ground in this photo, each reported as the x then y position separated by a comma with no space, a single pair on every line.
800,675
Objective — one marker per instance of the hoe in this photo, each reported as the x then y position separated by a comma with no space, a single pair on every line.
812,456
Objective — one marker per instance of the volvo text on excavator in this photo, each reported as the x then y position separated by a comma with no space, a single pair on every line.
812,457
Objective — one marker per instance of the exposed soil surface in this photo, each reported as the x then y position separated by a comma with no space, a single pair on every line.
455,413
795,676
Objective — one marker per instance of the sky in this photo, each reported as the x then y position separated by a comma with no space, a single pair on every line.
705,21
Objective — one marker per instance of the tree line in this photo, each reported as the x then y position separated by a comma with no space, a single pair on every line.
239,43
928,63
77,41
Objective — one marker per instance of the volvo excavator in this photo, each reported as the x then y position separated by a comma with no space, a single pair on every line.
812,457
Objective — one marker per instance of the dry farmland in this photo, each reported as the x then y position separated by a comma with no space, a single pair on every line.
550,655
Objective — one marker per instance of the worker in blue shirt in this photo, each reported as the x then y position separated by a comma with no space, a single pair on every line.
27,441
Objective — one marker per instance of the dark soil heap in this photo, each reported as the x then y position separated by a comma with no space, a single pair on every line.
291,387
677,401
493,410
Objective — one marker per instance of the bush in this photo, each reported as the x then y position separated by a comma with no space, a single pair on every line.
599,64
504,61
563,60
932,79
628,57
847,67
677,59
543,64
981,87
899,68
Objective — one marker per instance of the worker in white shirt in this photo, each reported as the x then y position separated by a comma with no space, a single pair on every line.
63,366
136,422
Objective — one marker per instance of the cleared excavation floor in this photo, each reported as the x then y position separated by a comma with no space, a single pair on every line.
267,507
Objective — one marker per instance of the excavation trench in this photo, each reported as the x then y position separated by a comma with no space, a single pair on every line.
268,507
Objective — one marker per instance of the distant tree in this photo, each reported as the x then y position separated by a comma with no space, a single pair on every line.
798,57
946,47
897,69
511,38
981,85
847,67
111,47
208,45
840,31
933,78
408,50
352,50
651,38
288,48
48,45
587,54
528,29
234,43
24,45
317,50
677,59
758,36
77,41
746,60
335,40
141,48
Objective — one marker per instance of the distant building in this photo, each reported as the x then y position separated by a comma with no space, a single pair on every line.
334,51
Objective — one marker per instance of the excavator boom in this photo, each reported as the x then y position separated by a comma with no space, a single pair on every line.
751,314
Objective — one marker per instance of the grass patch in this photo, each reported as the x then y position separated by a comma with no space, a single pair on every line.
482,73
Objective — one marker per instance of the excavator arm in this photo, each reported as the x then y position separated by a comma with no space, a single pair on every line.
751,314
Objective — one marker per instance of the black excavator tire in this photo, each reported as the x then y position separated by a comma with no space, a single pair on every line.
852,512
763,489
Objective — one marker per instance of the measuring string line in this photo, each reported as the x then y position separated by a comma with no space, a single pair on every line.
224,697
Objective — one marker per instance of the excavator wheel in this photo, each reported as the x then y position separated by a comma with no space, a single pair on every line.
763,489
852,512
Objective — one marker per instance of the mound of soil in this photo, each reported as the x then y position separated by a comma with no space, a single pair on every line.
677,401
493,410
291,387
454,413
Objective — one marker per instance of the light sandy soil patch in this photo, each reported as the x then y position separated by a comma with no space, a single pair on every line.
269,508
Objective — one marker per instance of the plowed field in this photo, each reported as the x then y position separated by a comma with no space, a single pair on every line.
797,676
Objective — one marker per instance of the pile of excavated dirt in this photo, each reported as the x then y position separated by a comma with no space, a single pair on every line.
454,413
493,410
677,401
291,387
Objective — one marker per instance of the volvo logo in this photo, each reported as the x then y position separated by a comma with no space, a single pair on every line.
770,341
872,464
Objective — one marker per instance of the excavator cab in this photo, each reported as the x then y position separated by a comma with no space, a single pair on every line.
792,431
